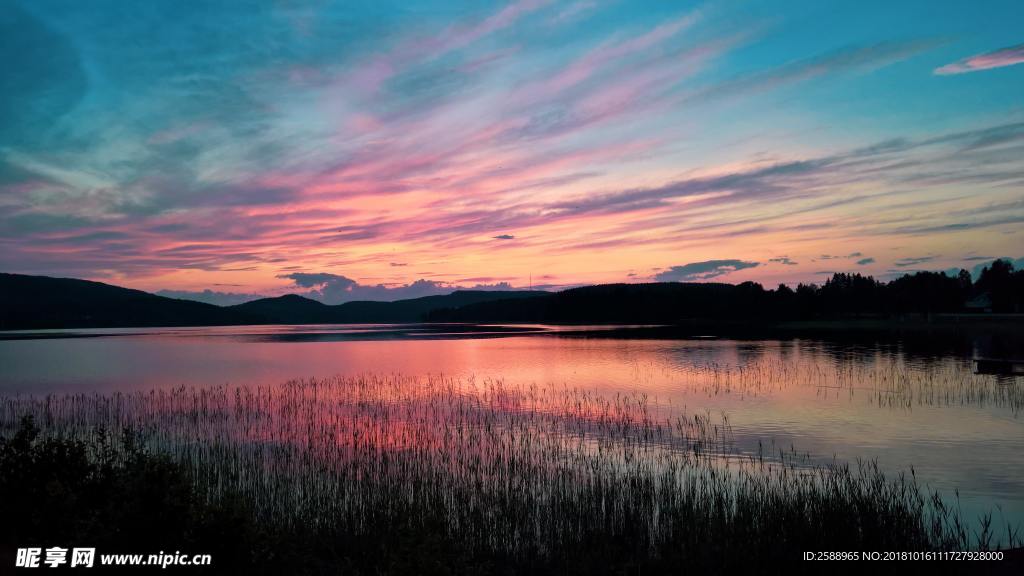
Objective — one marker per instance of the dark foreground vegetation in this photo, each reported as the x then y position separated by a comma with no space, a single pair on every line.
369,477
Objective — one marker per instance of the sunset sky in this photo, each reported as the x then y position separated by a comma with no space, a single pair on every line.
392,149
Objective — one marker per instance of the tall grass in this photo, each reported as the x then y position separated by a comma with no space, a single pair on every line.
888,380
538,476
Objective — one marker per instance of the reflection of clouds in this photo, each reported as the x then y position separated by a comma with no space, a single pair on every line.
905,405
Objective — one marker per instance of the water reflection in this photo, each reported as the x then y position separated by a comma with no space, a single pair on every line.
903,403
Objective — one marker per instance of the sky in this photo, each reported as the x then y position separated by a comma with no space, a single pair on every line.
383,150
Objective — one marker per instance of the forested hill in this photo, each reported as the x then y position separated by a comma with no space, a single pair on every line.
998,289
39,302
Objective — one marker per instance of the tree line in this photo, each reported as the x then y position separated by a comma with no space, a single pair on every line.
998,289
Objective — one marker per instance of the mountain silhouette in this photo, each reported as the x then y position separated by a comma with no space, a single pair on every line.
42,302
294,309
654,303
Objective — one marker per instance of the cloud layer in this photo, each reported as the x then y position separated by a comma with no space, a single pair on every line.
457,145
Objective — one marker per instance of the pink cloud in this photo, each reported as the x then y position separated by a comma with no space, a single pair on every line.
573,12
594,61
370,76
997,59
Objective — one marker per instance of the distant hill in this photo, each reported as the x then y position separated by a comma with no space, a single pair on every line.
287,309
654,303
292,309
39,302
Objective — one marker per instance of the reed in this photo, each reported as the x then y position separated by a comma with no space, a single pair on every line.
539,476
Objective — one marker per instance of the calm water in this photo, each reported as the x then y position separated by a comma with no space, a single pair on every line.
923,409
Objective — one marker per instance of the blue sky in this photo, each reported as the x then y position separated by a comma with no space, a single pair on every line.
408,147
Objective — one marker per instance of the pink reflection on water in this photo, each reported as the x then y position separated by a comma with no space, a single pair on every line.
959,430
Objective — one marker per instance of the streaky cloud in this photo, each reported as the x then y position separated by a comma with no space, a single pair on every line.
177,149
696,271
1003,57
913,261
852,58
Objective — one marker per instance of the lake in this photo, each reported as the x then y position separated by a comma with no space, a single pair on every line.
917,407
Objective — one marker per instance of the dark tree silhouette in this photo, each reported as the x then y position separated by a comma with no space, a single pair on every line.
1004,286
844,295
